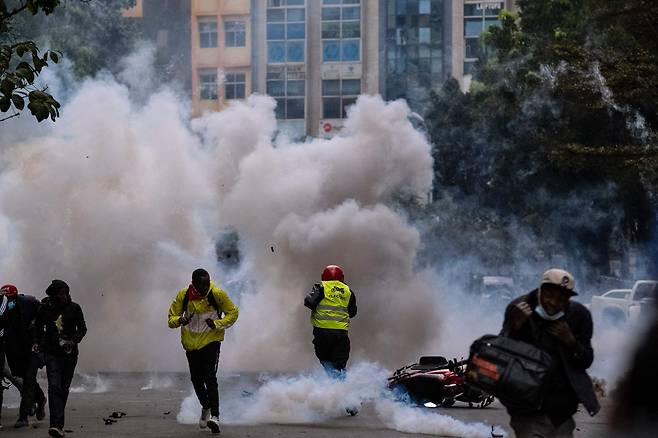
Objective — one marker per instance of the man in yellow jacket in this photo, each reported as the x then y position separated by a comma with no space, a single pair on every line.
203,311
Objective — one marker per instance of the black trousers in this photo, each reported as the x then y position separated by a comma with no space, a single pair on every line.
31,390
59,370
332,348
203,373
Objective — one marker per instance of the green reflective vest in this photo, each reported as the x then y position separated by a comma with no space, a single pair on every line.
331,312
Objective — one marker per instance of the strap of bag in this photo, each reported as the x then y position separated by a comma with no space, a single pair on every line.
211,300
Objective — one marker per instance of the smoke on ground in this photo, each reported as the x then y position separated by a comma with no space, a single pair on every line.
314,397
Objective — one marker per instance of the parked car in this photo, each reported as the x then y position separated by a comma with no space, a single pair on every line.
618,306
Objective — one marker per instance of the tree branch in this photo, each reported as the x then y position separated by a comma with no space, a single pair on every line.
7,118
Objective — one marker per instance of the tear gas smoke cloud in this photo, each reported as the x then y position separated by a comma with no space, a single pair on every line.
315,397
109,200
122,200
319,203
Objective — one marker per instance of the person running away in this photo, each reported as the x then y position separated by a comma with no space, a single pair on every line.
548,319
203,311
17,319
332,305
59,328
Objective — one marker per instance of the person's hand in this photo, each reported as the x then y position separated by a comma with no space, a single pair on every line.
520,314
211,323
36,348
563,333
184,320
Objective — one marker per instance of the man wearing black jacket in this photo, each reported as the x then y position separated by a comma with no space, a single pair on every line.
547,319
17,324
59,328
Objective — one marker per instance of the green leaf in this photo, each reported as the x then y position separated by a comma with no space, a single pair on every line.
7,86
5,103
18,101
54,56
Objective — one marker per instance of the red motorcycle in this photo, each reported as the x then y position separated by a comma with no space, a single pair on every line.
436,380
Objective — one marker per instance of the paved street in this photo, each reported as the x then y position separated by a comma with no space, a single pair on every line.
152,412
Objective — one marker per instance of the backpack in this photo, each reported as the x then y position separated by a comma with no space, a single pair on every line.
211,300
513,371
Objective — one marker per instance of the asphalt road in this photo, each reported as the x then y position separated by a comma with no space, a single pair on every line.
152,413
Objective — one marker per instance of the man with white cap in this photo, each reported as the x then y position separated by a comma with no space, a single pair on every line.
549,320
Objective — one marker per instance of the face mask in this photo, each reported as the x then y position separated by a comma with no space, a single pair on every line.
542,312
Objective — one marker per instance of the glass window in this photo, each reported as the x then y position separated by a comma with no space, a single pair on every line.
351,2
351,13
472,10
330,2
331,30
351,87
207,32
491,22
234,33
275,31
276,88
424,35
208,84
472,27
347,102
295,51
295,109
275,15
331,13
472,47
296,14
351,29
296,31
295,2
276,52
331,87
351,50
274,3
424,7
234,86
331,51
295,88
280,110
331,108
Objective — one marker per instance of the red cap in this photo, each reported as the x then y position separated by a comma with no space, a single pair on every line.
333,273
9,290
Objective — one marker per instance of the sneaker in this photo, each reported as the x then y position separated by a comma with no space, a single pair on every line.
41,410
21,422
56,432
205,416
213,424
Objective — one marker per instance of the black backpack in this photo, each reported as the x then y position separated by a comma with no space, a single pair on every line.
211,300
513,371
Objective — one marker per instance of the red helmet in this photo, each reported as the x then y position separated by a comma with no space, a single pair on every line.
9,290
333,273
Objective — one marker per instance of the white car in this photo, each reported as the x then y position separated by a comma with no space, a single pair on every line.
618,306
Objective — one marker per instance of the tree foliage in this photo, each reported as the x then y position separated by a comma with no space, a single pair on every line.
21,63
564,110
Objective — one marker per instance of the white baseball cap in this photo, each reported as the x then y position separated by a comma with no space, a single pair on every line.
561,278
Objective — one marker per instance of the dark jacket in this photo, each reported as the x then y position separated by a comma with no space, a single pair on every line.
17,322
570,383
317,294
55,323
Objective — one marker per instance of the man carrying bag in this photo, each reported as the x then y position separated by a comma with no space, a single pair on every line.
537,366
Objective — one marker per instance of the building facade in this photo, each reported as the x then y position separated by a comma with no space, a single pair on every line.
415,39
470,18
315,57
221,42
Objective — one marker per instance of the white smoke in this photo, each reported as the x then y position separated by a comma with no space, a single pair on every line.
314,397
158,382
91,383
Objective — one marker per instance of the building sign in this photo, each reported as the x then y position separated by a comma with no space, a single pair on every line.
342,70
